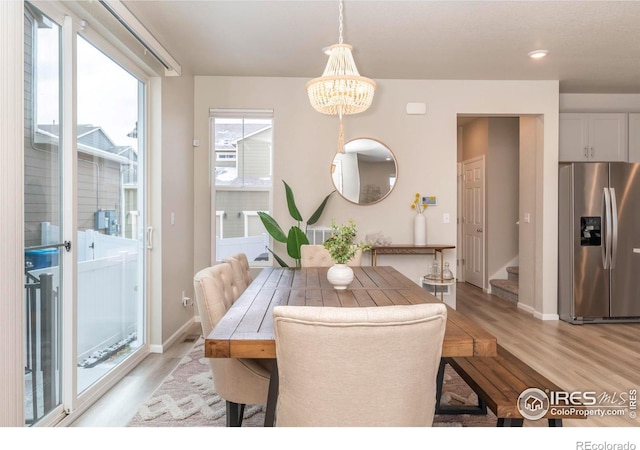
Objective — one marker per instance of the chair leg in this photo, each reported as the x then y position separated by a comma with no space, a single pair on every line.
235,413
439,381
510,422
240,414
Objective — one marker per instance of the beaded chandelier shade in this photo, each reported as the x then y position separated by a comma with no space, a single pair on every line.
341,90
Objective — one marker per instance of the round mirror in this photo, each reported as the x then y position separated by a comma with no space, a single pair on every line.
366,172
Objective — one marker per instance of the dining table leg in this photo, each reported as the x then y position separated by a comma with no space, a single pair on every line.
272,396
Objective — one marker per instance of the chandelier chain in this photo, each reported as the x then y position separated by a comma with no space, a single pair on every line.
340,19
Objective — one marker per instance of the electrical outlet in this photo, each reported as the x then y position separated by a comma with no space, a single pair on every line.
186,301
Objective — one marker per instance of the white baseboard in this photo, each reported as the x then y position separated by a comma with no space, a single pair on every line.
526,308
541,316
173,339
536,314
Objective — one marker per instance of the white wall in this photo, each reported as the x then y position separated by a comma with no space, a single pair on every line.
425,147
527,198
475,138
619,103
502,176
171,172
177,200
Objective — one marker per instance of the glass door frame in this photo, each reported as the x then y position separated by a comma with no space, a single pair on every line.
72,403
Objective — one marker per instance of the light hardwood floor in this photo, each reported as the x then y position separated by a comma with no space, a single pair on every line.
604,358
118,406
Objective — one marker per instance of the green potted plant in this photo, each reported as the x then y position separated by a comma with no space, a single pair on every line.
342,247
296,237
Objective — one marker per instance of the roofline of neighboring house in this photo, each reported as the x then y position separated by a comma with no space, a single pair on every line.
90,150
253,134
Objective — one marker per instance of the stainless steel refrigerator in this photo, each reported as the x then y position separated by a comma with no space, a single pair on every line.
599,242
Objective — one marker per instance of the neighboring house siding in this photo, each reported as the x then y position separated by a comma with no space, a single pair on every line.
98,188
254,155
28,75
96,140
234,202
40,191
131,201
41,171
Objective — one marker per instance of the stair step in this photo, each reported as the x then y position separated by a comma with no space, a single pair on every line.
513,273
505,289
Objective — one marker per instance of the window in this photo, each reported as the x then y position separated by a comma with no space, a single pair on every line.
242,145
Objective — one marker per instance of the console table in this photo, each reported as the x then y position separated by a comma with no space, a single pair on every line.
409,249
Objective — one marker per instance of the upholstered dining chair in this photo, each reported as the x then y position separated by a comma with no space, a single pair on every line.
238,381
369,366
318,256
241,271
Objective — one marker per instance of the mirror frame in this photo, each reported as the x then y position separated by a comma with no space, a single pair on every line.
395,161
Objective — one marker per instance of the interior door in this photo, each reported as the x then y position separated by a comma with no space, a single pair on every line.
473,220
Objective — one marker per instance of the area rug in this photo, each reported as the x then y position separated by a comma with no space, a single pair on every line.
187,398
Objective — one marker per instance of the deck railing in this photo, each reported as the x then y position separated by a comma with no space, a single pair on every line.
42,362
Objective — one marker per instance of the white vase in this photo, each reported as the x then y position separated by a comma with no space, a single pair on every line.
340,276
419,229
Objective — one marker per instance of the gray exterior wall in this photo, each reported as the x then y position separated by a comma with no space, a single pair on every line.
98,179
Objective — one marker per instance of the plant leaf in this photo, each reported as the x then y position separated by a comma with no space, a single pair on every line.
295,240
291,203
316,215
272,227
280,260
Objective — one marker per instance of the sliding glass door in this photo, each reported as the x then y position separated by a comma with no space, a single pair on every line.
43,226
84,297
109,228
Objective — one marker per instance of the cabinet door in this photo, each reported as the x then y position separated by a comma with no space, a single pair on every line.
574,137
634,138
607,137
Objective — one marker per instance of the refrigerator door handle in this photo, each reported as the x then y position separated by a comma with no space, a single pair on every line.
614,230
606,248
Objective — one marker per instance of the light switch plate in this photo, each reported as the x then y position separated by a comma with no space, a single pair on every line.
446,218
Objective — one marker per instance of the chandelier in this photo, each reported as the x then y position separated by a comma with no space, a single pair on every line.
341,90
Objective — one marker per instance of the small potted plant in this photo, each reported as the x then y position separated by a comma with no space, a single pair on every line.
342,247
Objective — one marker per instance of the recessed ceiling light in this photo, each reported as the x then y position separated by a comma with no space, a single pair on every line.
537,54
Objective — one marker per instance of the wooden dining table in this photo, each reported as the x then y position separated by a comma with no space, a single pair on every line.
246,330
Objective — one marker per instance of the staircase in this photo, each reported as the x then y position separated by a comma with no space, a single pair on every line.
507,289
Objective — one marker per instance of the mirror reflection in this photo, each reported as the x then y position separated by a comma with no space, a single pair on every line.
366,172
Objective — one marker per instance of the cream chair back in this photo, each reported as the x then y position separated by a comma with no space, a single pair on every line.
318,256
215,293
237,381
240,264
369,366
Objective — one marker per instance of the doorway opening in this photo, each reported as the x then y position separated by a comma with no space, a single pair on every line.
489,203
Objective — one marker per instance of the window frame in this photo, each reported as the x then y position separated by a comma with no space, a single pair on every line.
221,113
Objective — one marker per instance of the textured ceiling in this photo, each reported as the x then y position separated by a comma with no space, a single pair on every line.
594,45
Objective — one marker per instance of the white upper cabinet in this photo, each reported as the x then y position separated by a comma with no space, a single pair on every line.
593,137
634,138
